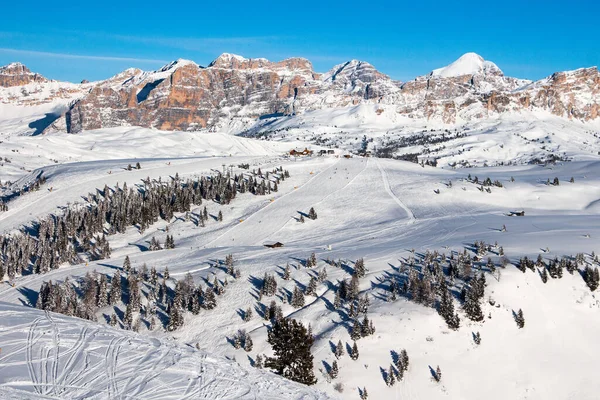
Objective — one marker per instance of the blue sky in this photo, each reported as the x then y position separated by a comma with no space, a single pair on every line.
94,40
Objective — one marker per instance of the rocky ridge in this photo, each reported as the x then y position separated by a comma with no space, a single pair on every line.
185,96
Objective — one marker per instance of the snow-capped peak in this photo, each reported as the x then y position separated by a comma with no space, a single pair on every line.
467,64
177,64
14,68
227,59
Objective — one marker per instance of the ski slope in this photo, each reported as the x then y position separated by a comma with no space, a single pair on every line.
379,209
45,355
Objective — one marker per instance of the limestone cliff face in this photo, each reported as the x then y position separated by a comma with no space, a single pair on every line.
16,74
185,96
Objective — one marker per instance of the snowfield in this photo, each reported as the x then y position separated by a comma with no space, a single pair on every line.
45,355
383,210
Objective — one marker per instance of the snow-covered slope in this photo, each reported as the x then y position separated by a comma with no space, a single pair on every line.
372,208
46,355
467,64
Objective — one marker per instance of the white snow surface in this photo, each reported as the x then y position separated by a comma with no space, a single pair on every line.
467,64
46,355
379,209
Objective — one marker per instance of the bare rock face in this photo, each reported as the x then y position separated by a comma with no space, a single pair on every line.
185,96
16,74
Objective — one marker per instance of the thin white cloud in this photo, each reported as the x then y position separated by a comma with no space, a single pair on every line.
79,56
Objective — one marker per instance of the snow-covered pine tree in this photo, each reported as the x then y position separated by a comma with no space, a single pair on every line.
404,358
363,394
390,377
471,306
438,374
311,288
127,264
356,332
312,214
128,318
297,298
520,319
339,349
210,301
102,291
354,352
248,314
322,276
337,302
287,273
359,268
334,370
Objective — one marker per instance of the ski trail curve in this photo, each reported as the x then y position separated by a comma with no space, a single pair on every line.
388,189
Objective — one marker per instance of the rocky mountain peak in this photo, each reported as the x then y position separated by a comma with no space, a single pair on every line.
17,74
173,65
236,62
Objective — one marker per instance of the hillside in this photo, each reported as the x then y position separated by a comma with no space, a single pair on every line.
45,355
375,209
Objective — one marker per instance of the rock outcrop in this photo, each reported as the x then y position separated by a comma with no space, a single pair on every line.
16,74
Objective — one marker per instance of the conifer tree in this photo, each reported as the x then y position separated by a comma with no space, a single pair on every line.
128,318
312,214
287,273
354,352
356,332
311,288
258,362
237,340
210,301
248,314
334,371
175,318
359,268
446,307
127,264
337,302
102,291
220,216
115,288
292,358
248,343
363,394
471,306
297,298
390,378
438,374
405,359
520,319
339,349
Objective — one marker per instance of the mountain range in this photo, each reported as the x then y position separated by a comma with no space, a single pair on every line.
185,96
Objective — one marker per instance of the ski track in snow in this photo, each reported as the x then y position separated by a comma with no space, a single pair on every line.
100,362
388,189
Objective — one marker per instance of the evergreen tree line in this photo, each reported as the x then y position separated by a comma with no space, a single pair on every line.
142,293
58,239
